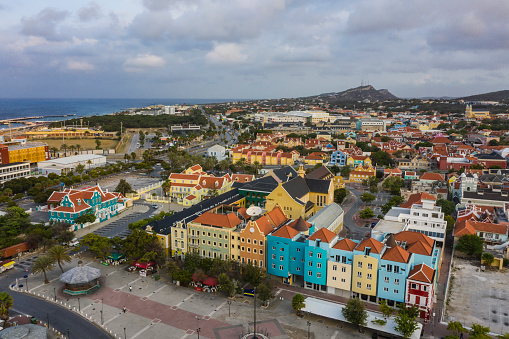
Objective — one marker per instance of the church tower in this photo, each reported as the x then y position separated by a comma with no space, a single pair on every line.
468,112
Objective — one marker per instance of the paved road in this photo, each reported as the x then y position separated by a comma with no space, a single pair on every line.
59,317
134,141
354,231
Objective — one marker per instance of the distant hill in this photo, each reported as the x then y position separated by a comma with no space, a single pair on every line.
492,96
357,94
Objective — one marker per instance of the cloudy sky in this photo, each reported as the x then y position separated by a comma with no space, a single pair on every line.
251,48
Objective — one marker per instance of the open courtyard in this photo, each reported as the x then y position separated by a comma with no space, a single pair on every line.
478,297
162,309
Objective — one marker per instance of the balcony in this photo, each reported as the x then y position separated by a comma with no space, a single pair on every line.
194,245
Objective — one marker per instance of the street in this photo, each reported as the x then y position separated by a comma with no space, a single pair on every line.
354,231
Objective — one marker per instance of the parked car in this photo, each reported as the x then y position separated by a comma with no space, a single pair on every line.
74,242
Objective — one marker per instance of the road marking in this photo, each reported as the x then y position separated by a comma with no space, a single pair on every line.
277,293
141,331
130,284
186,299
31,289
217,309
23,313
334,335
115,317
159,289
84,308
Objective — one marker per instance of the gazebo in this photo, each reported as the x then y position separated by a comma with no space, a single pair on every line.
81,279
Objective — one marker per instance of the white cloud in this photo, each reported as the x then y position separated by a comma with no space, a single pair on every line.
79,66
228,53
143,62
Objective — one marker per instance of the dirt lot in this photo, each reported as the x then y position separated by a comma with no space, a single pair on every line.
479,297
86,144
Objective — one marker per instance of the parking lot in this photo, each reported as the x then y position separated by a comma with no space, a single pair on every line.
479,297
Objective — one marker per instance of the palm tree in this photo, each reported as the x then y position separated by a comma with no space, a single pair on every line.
64,148
41,265
127,157
54,150
59,254
133,156
6,303
72,148
78,147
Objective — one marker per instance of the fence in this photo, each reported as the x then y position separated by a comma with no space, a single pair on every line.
139,193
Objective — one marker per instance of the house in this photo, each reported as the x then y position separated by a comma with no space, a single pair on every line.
316,253
411,175
358,160
361,173
217,151
301,197
313,160
338,158
339,268
329,217
392,172
365,269
489,232
69,204
420,289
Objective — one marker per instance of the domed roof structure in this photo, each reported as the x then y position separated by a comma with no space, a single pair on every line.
80,274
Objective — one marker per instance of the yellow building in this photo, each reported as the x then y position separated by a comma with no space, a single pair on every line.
164,239
28,152
361,173
365,268
301,197
471,113
356,160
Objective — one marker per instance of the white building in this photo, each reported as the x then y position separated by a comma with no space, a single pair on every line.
217,151
65,165
169,109
14,171
423,217
292,117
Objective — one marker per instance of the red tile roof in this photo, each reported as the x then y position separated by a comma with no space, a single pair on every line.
220,220
324,235
396,254
345,245
423,273
375,245
470,227
286,232
417,198
432,176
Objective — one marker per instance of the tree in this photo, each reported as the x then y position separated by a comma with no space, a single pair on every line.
80,168
298,303
64,148
42,265
123,187
366,213
345,171
87,217
450,223
252,274
355,312
393,184
470,244
144,247
100,246
59,254
133,156
172,267
78,147
386,310
381,158
479,332
456,327
6,303
447,206
487,258
340,195
97,144
405,320
367,197
264,293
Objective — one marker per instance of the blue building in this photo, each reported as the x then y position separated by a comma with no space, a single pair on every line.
316,254
285,253
394,268
338,158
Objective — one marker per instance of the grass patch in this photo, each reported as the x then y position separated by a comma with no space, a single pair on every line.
86,144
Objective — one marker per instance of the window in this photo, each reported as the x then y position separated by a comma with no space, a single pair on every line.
368,286
254,250
414,286
343,269
396,281
281,267
389,268
386,280
359,264
261,263
359,274
281,249
318,265
281,258
343,260
298,249
396,269
395,291
242,240
242,248
319,255
424,288
261,251
310,273
310,253
214,244
386,289
254,242
369,276
298,268
249,249
310,263
370,266
220,236
359,285
273,265
334,278
209,234
343,280
248,241
214,235
319,275
335,267
261,243
273,247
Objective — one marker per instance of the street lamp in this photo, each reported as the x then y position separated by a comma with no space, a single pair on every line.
68,335
254,324
102,309
433,328
229,304
47,318
198,329
309,326
125,336
79,305
26,282
55,293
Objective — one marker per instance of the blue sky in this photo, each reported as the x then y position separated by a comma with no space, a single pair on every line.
251,48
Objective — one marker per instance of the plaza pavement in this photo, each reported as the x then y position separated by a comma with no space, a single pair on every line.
160,309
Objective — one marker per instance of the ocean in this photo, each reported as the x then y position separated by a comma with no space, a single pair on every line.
18,108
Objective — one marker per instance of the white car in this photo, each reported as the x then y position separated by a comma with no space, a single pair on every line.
74,242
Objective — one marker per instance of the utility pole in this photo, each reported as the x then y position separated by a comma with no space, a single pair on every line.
254,324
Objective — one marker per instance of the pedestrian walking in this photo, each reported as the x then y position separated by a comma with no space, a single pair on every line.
124,309
130,288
